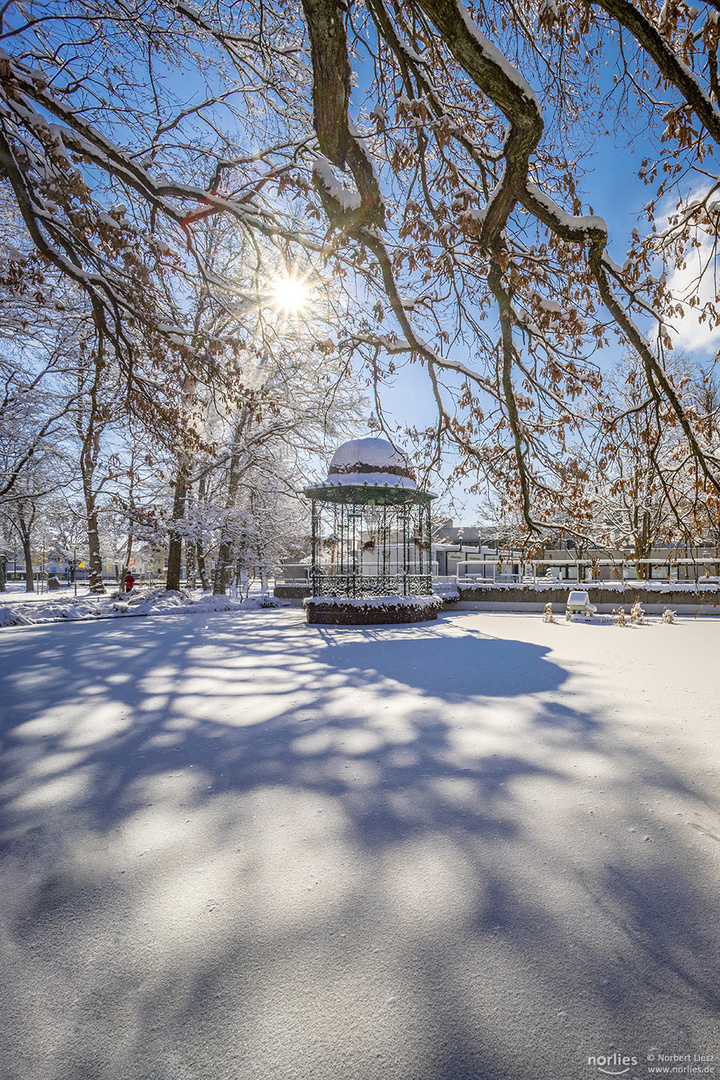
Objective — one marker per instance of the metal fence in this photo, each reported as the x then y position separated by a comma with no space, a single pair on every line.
370,585
490,572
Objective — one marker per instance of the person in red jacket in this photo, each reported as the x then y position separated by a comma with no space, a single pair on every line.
129,582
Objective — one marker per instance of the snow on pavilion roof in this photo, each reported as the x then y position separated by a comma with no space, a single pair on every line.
369,461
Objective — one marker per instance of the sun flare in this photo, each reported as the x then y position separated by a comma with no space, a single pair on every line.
290,294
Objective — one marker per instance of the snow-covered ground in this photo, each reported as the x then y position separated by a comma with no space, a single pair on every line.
15,591
25,609
236,846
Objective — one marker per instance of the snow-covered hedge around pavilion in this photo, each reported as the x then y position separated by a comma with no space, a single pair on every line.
343,610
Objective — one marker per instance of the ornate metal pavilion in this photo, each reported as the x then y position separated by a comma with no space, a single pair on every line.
370,525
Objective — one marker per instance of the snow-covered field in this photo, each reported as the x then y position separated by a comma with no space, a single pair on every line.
238,847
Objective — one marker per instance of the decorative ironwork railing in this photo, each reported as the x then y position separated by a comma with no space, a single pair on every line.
370,585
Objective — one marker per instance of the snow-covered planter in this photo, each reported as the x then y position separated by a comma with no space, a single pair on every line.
369,610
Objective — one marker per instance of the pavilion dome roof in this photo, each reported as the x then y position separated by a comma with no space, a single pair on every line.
370,461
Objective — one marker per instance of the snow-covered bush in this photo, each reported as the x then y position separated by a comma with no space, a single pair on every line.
385,603
267,601
371,609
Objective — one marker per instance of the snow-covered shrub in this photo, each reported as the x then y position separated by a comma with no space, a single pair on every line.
668,616
548,613
267,601
11,618
619,614
448,594
385,603
637,615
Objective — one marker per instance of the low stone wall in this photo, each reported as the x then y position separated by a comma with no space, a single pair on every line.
294,593
526,598
705,601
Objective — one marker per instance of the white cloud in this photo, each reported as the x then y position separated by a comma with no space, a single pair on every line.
699,277
689,334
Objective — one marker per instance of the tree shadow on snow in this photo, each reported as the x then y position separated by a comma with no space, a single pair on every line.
450,668
420,754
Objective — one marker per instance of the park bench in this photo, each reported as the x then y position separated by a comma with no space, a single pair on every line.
578,603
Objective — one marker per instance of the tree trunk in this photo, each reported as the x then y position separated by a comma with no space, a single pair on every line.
190,547
27,555
3,573
200,543
126,562
24,527
174,567
95,578
223,565
95,582
191,564
88,461
202,565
